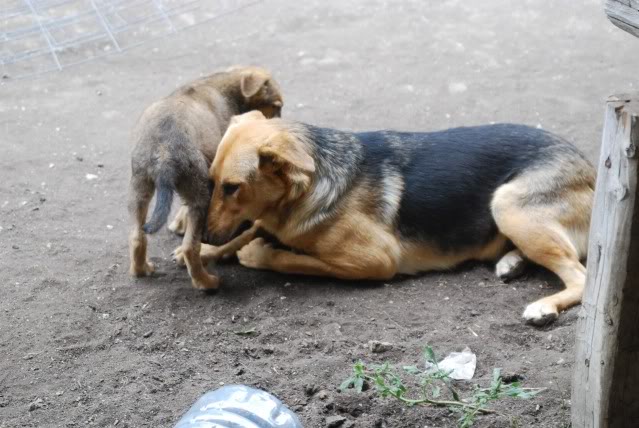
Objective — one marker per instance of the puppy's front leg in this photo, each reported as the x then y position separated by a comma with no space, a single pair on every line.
259,255
232,246
211,253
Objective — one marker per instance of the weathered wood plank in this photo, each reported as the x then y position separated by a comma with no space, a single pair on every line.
605,390
624,14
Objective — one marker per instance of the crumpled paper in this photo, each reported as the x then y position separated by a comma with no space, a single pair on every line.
461,364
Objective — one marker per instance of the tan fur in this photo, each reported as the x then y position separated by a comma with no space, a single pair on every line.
140,266
419,257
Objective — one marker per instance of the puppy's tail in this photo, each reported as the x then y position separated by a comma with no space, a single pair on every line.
163,200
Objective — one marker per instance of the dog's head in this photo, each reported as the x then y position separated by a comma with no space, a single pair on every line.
259,91
259,168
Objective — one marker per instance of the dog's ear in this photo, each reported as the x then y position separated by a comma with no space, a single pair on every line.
288,158
251,115
251,82
280,151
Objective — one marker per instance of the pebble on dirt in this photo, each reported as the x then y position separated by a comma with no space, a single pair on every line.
335,421
311,389
38,403
377,347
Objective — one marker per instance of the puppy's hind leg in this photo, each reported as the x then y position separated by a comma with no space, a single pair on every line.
191,247
140,194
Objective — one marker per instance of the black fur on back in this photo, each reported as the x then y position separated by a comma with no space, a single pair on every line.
449,176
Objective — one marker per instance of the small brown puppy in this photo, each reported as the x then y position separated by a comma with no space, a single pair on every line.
175,141
371,205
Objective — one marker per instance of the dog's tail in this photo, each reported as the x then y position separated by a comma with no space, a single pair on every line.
163,199
177,166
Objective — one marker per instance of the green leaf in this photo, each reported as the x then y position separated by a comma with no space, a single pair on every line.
411,369
429,355
496,374
358,384
347,384
436,391
496,382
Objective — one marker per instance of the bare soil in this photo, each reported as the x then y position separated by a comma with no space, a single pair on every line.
81,343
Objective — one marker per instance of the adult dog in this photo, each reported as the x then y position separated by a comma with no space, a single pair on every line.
175,141
372,205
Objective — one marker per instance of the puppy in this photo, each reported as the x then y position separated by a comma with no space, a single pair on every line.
373,205
175,141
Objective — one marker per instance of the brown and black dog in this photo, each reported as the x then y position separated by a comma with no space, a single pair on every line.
375,204
175,141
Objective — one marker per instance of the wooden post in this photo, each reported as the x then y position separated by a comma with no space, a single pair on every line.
605,390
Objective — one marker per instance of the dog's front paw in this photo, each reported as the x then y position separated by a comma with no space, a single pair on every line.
540,313
145,269
211,253
257,254
178,256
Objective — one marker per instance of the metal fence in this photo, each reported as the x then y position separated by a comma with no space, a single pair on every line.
37,36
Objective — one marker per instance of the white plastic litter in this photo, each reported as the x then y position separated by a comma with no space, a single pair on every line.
462,364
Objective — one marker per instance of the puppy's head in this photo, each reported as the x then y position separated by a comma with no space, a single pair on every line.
259,91
259,168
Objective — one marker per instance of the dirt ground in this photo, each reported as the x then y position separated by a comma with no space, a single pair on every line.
81,343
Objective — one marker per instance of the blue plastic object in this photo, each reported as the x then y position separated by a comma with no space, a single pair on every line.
238,406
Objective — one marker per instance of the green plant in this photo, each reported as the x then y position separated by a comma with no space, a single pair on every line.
435,388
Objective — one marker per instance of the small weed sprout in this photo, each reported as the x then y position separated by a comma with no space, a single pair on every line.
435,388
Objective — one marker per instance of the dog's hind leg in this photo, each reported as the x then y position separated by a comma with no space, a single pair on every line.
191,247
140,195
538,231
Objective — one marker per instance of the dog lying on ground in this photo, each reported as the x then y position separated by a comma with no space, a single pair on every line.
373,205
175,141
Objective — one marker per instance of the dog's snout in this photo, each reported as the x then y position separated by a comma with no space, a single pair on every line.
214,238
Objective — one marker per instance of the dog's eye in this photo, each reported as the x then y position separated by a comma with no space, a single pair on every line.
229,189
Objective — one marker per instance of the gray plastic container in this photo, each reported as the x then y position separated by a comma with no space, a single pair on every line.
238,406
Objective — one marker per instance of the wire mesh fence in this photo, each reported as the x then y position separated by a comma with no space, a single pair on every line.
37,36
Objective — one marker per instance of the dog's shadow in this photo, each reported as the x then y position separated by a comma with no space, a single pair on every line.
237,280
